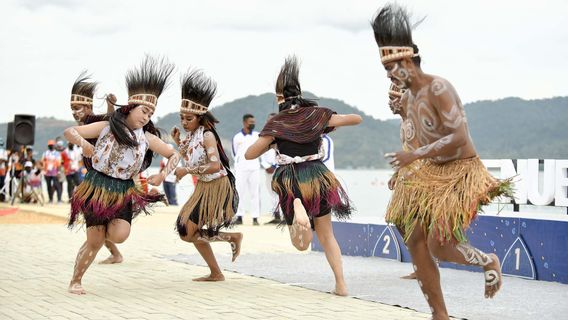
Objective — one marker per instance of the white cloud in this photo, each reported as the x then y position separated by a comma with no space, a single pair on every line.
487,49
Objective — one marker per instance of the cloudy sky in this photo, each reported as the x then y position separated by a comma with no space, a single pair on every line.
487,49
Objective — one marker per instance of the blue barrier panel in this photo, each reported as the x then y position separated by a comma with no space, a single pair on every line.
384,243
518,262
527,248
547,241
353,239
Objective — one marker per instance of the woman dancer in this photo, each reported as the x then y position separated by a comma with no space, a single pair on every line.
82,94
108,199
214,202
307,190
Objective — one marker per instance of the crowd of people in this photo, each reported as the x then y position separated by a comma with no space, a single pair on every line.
23,174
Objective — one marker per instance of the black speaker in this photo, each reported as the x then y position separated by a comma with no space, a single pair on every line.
10,136
24,129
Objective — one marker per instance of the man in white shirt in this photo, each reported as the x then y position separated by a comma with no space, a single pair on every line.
327,145
268,163
247,172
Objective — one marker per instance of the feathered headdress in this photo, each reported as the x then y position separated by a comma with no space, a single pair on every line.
288,83
147,83
393,33
197,91
83,90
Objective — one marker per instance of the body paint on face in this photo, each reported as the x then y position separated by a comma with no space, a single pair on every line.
401,75
79,113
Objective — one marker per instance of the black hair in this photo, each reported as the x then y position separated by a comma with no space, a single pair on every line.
247,116
83,86
288,85
152,77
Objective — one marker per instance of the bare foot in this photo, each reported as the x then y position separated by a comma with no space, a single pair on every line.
76,288
301,218
112,259
493,276
235,243
211,277
340,291
409,276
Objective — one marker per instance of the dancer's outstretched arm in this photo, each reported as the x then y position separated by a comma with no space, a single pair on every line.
165,150
259,147
341,120
78,134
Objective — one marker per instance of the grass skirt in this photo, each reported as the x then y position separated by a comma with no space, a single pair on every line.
101,198
443,198
212,206
315,185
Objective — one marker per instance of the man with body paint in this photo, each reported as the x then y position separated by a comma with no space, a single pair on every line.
442,197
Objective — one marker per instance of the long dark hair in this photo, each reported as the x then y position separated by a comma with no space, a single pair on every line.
152,77
288,85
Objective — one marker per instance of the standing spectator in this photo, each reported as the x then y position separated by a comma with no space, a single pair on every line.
169,183
3,166
247,172
71,157
268,163
15,167
51,163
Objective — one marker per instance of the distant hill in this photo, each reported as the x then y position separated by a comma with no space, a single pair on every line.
506,128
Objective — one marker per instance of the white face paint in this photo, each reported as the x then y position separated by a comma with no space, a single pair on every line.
78,112
399,76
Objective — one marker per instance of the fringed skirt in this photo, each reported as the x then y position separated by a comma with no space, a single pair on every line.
211,207
101,198
443,198
317,188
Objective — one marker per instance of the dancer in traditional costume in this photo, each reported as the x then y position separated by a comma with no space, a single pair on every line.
441,198
108,198
82,94
214,202
395,104
308,192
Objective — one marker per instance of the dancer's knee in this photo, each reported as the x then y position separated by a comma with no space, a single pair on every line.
326,238
118,236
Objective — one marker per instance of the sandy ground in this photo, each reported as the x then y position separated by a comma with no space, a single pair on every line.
27,217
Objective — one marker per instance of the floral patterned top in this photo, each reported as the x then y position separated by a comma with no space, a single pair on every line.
116,160
192,149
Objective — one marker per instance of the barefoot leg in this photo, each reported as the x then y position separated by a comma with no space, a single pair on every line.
115,255
466,254
85,256
427,273
324,232
204,249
